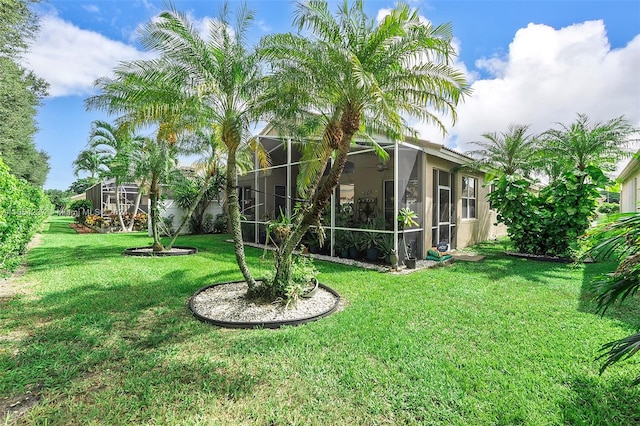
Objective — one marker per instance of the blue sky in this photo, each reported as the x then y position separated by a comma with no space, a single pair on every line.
529,62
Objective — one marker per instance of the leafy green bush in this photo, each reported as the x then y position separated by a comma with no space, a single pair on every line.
80,209
609,208
23,208
551,222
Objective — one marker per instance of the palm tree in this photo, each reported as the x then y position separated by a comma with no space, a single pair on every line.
356,77
89,160
214,83
146,96
583,144
511,152
115,144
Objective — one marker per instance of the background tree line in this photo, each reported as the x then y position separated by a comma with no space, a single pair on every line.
20,94
23,169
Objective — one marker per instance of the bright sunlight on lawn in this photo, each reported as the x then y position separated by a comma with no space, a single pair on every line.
108,339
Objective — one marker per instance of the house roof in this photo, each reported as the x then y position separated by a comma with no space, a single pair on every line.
631,168
432,148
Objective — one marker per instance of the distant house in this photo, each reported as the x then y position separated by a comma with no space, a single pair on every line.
103,197
450,201
630,185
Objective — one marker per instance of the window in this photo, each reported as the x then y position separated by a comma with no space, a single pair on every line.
469,186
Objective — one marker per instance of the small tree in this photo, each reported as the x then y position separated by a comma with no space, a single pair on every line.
574,159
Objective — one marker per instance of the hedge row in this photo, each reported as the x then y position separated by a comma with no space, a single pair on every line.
23,208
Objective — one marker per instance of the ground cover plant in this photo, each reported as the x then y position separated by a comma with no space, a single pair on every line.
104,338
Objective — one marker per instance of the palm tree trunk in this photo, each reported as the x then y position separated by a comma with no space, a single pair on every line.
233,210
311,215
135,209
192,209
154,193
118,209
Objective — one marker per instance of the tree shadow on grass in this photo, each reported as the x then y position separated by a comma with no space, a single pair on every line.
627,312
594,402
74,332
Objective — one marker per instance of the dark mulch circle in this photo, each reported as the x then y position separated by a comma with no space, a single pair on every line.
148,251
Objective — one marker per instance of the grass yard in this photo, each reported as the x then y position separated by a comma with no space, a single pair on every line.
107,339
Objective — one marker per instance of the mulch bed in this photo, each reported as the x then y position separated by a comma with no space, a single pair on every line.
82,229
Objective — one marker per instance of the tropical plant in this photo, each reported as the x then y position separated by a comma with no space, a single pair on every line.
386,245
91,160
203,83
619,239
406,219
583,144
193,194
112,146
358,77
508,153
577,156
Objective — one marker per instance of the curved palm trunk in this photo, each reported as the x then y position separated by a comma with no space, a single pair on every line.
118,209
233,210
154,194
192,209
135,210
311,215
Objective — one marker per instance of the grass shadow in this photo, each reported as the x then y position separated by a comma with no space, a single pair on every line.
627,312
592,402
71,333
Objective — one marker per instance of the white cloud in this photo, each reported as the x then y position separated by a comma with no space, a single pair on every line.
382,13
71,59
91,8
550,76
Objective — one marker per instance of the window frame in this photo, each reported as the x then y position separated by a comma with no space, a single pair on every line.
464,196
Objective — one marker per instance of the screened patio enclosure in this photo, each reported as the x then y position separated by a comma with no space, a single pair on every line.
367,200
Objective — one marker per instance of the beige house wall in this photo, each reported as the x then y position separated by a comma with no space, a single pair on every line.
483,227
630,194
630,186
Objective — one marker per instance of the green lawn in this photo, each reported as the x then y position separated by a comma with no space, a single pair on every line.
107,339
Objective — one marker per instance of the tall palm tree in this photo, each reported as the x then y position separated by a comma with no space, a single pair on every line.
583,144
214,83
511,152
357,77
115,143
89,160
145,95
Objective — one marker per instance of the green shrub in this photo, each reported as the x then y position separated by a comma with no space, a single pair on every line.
23,208
80,209
551,222
609,208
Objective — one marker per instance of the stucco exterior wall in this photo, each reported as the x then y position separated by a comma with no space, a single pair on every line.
630,194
